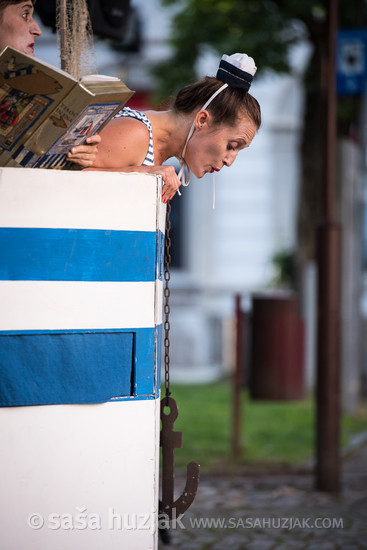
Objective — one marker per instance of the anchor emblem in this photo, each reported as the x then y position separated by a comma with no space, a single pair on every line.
169,441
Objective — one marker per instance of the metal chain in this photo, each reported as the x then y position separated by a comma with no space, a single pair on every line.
167,276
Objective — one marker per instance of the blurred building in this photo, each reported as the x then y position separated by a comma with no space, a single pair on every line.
218,252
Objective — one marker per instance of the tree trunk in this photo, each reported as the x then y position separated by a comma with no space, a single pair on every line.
310,207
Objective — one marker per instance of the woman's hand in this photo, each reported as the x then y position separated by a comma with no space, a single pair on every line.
171,183
85,154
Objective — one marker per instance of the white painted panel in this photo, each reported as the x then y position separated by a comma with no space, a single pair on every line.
80,200
53,305
159,302
100,460
161,210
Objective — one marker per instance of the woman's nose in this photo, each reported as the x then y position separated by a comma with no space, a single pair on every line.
230,158
35,29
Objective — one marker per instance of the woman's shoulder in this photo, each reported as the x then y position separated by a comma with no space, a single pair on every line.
126,127
129,113
125,141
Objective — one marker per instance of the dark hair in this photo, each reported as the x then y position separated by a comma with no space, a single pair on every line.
226,108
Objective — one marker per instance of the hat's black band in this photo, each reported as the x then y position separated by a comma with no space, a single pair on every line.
235,77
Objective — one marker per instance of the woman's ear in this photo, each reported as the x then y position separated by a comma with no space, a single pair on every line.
202,118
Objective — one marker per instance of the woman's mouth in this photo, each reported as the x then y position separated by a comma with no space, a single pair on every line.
213,169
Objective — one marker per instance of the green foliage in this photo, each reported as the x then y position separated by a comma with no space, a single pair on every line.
284,263
264,29
273,432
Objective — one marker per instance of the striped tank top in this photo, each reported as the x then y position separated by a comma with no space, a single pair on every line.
127,112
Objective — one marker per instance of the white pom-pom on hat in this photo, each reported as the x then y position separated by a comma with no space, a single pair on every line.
242,61
237,70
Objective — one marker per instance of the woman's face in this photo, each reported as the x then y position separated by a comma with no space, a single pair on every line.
18,28
212,147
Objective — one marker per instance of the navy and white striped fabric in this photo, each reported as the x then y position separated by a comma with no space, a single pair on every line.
81,288
138,115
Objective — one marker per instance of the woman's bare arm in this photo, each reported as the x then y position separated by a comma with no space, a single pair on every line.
123,148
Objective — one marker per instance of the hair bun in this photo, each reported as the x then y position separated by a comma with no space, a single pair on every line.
237,70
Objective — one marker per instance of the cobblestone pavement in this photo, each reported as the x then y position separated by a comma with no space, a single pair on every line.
253,510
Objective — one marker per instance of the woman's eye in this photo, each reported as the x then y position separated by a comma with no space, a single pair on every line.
26,15
230,147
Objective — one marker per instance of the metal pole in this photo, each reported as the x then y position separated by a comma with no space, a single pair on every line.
63,34
329,299
237,382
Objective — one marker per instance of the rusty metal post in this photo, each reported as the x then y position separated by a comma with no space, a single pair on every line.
237,382
329,295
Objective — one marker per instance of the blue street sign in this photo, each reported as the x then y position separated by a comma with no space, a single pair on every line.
351,74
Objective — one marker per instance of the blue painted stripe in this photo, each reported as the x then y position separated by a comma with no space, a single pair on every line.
160,255
78,255
64,367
